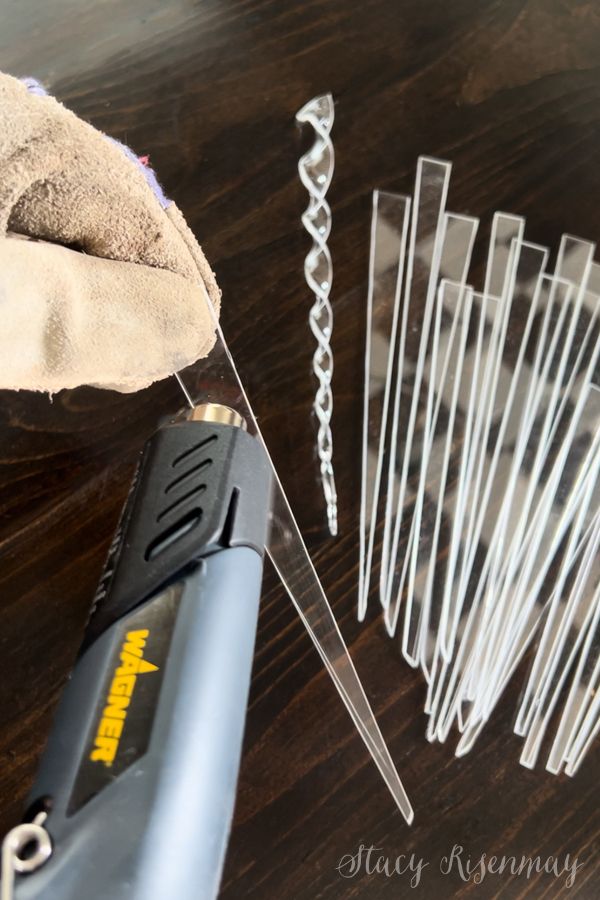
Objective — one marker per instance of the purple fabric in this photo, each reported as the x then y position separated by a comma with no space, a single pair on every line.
34,87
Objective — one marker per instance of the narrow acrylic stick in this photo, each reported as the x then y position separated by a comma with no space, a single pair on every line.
483,312
529,554
389,231
219,382
422,269
556,615
587,736
455,238
518,442
475,638
424,556
558,649
578,697
471,730
525,282
553,517
505,241
444,378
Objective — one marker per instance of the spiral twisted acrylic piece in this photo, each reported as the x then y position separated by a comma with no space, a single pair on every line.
316,170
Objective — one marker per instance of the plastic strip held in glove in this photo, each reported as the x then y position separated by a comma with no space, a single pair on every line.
316,170
217,380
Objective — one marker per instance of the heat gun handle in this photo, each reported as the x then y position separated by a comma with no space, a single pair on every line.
157,827
140,770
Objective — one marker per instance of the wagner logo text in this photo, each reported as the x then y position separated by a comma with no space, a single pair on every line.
119,697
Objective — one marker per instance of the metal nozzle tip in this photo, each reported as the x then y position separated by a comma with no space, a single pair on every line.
216,412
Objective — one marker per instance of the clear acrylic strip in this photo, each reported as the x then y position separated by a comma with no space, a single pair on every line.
472,730
580,692
564,631
444,444
218,381
422,270
456,247
451,680
565,491
508,379
451,503
538,550
523,441
389,231
506,235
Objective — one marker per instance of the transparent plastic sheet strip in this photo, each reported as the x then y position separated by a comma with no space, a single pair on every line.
556,614
452,496
218,381
527,435
315,169
575,376
566,360
531,556
566,622
450,505
588,725
501,261
528,595
473,727
450,677
456,242
421,616
389,232
569,569
507,383
422,269
587,735
583,687
572,475
571,379
528,635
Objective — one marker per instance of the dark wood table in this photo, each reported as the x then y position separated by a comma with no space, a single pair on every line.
510,92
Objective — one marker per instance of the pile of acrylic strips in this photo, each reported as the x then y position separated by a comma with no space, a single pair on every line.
480,504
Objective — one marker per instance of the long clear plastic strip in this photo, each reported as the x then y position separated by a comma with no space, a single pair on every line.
502,387
389,231
565,627
536,554
522,442
420,288
582,688
218,381
506,235
556,513
422,607
455,240
487,474
447,682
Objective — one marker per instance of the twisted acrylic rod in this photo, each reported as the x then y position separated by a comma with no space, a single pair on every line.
316,170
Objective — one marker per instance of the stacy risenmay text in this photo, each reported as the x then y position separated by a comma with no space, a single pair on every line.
371,860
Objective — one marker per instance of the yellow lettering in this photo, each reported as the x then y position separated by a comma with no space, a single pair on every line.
116,708
129,664
105,750
135,642
110,727
146,666
123,685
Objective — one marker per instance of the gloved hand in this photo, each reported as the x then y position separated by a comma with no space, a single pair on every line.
101,280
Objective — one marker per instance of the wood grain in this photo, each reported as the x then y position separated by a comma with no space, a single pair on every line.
508,90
